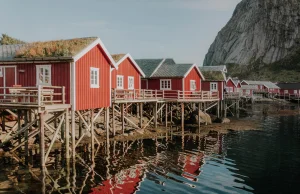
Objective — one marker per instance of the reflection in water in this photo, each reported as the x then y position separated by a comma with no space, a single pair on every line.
239,162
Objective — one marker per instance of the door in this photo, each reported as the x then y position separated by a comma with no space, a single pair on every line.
7,79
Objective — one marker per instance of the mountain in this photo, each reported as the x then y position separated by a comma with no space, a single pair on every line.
263,35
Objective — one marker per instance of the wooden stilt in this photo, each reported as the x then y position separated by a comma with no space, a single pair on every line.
218,110
182,117
3,120
73,134
107,127
42,140
171,114
67,135
122,118
155,115
80,128
92,130
26,136
113,119
19,125
166,116
141,115
225,109
199,118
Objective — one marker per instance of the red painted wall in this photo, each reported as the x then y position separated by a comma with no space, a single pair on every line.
144,84
221,85
230,84
60,76
87,97
126,68
193,75
154,84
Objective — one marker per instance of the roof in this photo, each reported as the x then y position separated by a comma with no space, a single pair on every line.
172,70
249,87
213,75
119,58
289,86
267,84
69,49
214,68
148,65
234,81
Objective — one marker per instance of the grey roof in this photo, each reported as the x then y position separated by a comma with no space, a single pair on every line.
148,65
268,84
172,70
249,87
289,86
214,68
8,52
236,82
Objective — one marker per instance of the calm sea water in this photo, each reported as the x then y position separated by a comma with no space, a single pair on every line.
261,161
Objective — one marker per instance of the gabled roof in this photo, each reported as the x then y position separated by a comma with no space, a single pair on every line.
70,49
148,65
249,87
235,82
119,58
267,84
289,86
214,68
213,75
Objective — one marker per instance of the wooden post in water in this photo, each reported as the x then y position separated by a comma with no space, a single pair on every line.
67,135
182,117
42,139
92,130
107,128
199,118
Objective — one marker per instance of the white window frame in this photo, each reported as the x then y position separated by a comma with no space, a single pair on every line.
122,78
1,71
129,78
38,67
295,91
286,91
163,84
212,88
193,85
94,77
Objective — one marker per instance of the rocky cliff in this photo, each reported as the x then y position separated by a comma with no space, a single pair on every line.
260,33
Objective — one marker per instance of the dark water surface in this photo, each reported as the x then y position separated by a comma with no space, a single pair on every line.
261,161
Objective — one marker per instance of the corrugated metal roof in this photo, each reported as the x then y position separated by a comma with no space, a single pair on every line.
167,69
214,68
289,86
8,52
268,84
249,87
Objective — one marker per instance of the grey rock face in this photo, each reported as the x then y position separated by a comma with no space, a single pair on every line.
259,30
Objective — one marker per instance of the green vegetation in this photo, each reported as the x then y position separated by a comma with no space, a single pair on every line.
213,75
57,48
7,40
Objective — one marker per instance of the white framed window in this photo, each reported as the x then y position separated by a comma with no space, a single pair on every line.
1,72
193,86
130,82
43,75
213,86
120,82
165,84
295,91
286,91
94,77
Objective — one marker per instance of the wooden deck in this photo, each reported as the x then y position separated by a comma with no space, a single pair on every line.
141,95
41,97
232,95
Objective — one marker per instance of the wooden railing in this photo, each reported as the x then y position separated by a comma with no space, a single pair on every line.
41,95
136,94
232,95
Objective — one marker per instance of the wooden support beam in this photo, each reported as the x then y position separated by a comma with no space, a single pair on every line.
73,135
199,118
92,130
122,118
182,117
67,135
113,119
42,139
141,115
166,116
155,115
218,110
26,136
107,127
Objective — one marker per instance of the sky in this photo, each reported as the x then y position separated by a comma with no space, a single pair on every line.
179,29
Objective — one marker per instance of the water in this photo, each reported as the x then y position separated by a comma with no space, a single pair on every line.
261,161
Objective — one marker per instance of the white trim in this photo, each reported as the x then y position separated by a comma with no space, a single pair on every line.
16,75
244,82
132,60
121,76
97,71
193,83
222,92
160,85
197,69
73,85
70,71
4,82
140,81
157,67
210,88
110,89
183,86
37,68
128,78
229,78
1,71
92,45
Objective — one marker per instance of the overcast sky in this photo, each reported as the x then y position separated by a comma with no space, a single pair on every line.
180,29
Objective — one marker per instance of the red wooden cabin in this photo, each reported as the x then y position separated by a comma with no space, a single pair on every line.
215,81
127,74
232,85
81,65
165,74
265,86
289,88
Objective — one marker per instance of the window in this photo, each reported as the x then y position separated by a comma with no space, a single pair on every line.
192,85
286,91
1,74
213,87
165,84
229,89
120,81
94,77
130,82
295,92
43,75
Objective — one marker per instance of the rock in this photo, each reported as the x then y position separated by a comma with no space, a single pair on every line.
225,120
125,134
131,133
259,32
